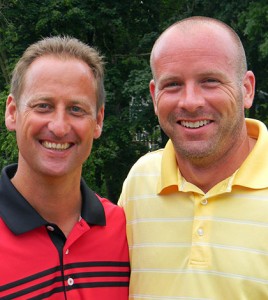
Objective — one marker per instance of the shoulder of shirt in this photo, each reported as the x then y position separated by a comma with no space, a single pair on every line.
109,205
150,158
147,166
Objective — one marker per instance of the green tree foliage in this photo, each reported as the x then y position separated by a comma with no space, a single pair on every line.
254,24
124,32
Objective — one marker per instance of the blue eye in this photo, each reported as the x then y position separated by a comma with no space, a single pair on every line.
76,109
211,81
42,107
171,85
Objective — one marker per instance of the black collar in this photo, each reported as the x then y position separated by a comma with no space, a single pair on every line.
21,217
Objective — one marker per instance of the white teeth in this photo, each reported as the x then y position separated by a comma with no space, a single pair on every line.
55,146
194,124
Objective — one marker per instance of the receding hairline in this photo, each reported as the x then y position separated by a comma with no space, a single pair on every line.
189,23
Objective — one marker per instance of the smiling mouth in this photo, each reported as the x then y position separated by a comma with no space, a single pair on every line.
56,146
196,124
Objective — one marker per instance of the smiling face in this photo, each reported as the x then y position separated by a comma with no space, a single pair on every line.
198,93
56,120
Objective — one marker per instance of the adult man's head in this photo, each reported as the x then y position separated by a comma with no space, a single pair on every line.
200,88
56,106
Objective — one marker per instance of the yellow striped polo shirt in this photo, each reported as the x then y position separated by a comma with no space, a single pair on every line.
187,244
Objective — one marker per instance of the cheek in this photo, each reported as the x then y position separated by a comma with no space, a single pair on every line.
223,100
85,130
228,94
31,126
166,102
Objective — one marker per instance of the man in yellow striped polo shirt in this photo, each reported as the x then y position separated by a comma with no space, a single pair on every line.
197,210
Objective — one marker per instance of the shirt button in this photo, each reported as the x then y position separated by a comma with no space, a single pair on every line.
50,228
200,231
204,202
70,281
67,251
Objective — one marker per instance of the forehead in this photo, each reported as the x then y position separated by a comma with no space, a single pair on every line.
195,42
56,78
48,71
54,64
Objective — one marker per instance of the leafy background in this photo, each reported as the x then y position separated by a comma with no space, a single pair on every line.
124,32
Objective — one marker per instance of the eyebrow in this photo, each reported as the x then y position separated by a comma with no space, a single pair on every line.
212,73
208,73
166,78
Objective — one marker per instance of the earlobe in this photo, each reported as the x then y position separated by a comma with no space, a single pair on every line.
152,92
249,89
98,130
99,124
11,113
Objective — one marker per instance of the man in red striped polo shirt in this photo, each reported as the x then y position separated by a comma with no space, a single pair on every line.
58,239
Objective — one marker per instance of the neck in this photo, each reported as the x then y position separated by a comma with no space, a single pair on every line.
57,200
207,175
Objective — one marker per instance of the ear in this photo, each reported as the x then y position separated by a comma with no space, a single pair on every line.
99,123
248,89
152,88
11,113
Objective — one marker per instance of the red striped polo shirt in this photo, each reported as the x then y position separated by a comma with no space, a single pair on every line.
38,262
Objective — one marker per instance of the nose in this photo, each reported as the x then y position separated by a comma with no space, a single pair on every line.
59,124
191,98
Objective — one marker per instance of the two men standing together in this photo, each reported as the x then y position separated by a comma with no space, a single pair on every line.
195,210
